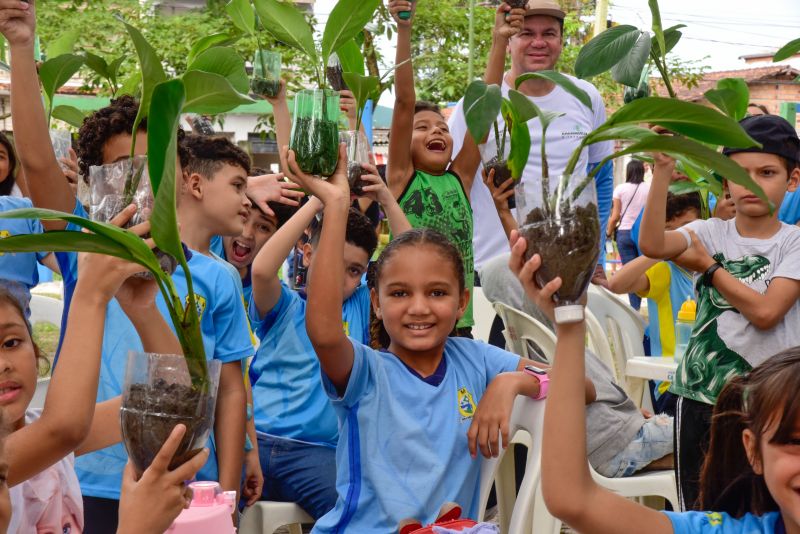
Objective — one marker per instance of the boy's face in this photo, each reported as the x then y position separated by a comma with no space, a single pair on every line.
259,227
768,171
118,147
682,219
356,260
431,142
222,199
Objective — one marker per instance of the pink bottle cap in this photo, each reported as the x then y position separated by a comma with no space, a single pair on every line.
204,493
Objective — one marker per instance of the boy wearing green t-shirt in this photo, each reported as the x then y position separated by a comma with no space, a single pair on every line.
432,189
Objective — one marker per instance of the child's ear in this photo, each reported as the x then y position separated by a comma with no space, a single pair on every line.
376,304
308,252
194,185
463,302
749,442
794,179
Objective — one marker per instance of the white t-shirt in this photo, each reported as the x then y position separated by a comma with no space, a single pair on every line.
563,136
634,196
50,501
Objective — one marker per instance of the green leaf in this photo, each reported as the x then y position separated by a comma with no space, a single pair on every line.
692,120
684,187
351,58
560,80
113,69
210,94
787,50
525,109
731,96
152,71
57,71
63,44
606,50
64,241
363,87
671,38
482,104
287,24
69,114
227,63
204,43
132,85
346,20
629,69
97,64
242,15
657,27
520,139
626,131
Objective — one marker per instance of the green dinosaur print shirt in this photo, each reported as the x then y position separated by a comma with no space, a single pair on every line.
724,343
440,203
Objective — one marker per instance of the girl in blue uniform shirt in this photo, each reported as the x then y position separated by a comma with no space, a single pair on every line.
751,476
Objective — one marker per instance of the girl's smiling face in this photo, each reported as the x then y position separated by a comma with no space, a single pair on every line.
18,366
419,299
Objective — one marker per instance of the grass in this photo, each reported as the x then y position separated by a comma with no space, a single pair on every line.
45,335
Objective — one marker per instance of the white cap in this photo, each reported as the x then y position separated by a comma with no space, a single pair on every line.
572,313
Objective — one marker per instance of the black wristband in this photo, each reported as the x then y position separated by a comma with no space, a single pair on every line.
708,275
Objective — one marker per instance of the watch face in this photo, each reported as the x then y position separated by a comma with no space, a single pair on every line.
535,370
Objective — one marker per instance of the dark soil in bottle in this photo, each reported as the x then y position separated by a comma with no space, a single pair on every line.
316,145
501,174
517,3
569,248
335,78
263,86
354,173
149,414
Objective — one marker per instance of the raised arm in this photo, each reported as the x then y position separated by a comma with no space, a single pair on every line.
283,120
569,490
377,191
631,278
47,186
655,241
400,167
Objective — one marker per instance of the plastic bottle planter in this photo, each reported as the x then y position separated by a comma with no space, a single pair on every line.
266,73
158,395
315,131
333,73
114,186
357,153
565,232
497,161
61,141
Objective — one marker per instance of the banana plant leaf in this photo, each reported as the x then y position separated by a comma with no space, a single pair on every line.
209,41
287,25
151,68
64,241
225,62
731,96
560,80
671,37
69,114
242,15
606,50
351,58
63,44
54,73
657,27
208,93
347,19
482,104
629,69
787,50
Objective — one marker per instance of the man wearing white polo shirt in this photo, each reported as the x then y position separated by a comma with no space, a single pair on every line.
537,47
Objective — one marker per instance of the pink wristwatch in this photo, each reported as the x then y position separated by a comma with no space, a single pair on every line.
542,376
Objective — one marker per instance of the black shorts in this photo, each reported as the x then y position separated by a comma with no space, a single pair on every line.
100,516
692,436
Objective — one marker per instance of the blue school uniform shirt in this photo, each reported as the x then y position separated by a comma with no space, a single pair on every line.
403,449
722,523
19,270
225,337
289,401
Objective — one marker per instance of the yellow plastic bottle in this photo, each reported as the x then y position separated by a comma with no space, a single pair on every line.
684,326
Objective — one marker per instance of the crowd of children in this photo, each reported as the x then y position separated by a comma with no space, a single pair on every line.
361,395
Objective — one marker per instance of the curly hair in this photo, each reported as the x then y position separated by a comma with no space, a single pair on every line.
359,232
8,183
208,153
677,205
115,119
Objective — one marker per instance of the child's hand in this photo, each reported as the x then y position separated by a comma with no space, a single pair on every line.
695,258
508,22
525,271
70,166
500,195
396,6
376,189
347,103
152,503
490,422
280,97
331,191
272,188
18,22
253,477
662,160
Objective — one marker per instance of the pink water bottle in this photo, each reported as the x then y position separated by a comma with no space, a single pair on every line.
209,513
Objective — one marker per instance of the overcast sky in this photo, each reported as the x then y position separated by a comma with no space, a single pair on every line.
717,32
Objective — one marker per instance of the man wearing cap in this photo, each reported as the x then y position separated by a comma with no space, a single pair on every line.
537,47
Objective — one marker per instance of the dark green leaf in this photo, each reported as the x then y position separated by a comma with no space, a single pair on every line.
64,241
560,80
97,64
684,187
658,28
788,50
57,71
525,109
152,70
227,63
69,114
363,87
606,50
242,15
520,149
346,20
63,44
481,106
627,131
692,120
204,43
211,94
731,96
671,37
629,69
287,24
114,66
351,58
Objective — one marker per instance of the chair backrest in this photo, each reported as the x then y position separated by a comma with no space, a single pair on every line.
522,331
483,313
623,326
527,416
46,310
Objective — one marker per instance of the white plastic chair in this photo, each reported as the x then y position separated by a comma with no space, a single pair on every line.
265,517
483,313
521,328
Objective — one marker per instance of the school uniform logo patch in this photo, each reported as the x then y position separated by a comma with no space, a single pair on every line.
466,404
200,302
4,234
714,519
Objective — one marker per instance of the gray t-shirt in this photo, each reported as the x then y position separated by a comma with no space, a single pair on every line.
613,420
724,343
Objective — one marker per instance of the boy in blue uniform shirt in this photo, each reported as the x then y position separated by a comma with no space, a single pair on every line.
296,426
205,207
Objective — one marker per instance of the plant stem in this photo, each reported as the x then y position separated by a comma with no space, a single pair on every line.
505,131
497,140
545,178
664,75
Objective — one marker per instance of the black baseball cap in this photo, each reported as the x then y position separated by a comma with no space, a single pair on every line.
774,133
